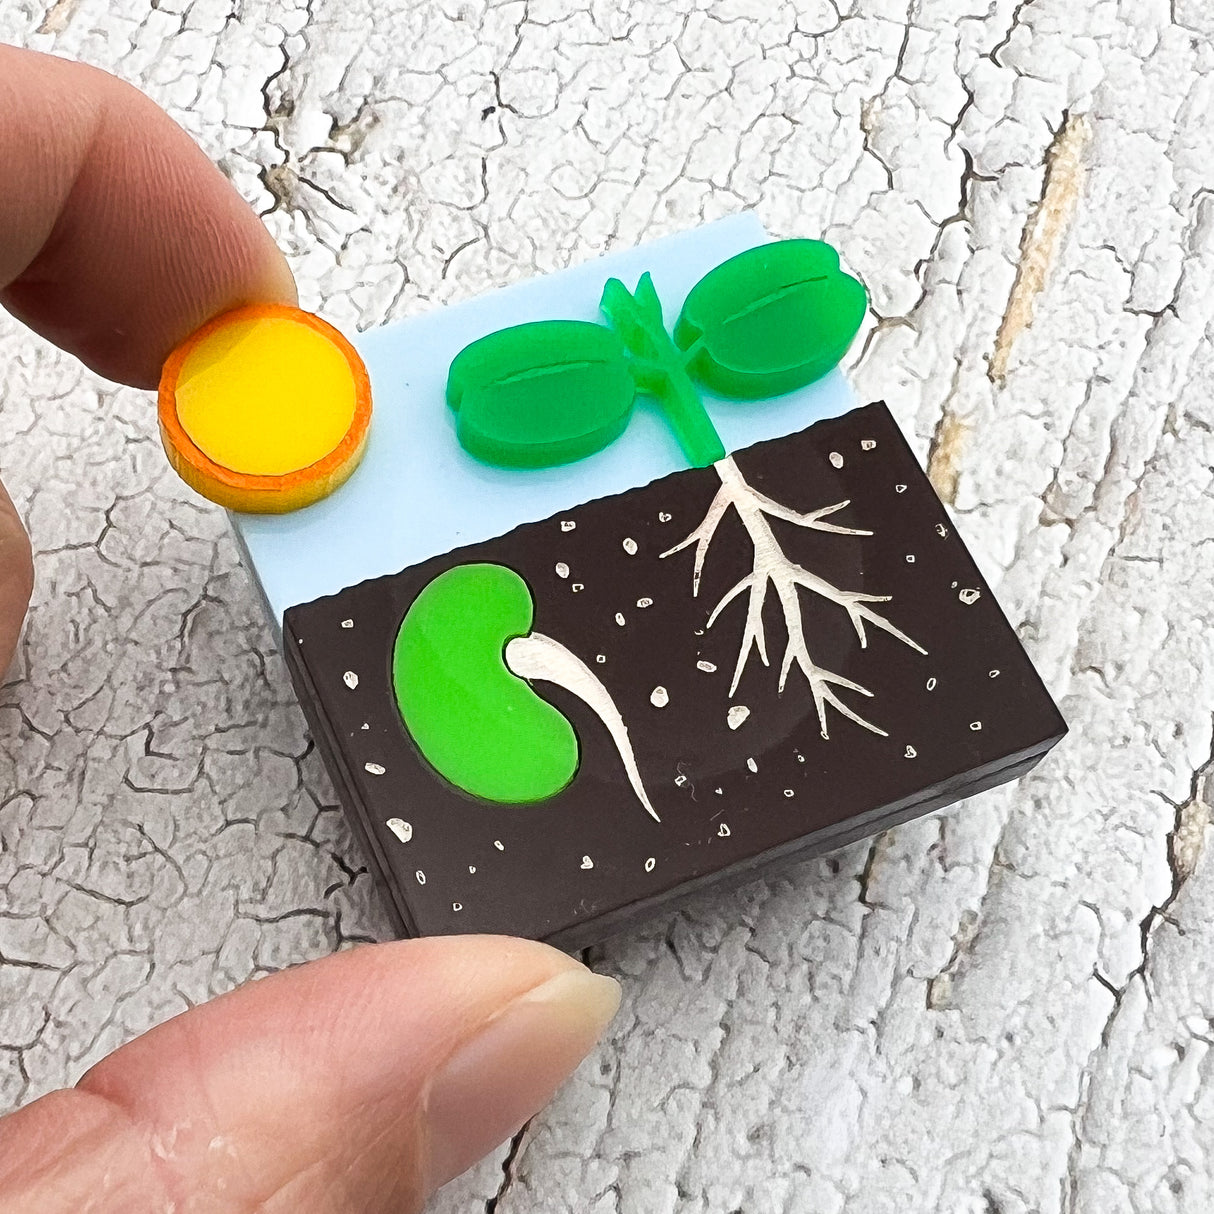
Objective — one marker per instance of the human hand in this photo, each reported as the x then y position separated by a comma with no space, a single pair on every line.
356,1083
352,1085
118,238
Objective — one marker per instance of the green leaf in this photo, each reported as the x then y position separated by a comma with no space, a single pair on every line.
772,319
541,394
646,296
637,318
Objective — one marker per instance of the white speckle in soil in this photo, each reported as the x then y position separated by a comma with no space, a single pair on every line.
562,570
659,697
600,658
788,792
663,517
619,618
630,546
643,603
942,531
910,558
650,864
680,780
911,752
457,907
836,459
707,667
752,765
567,524
376,769
970,596
719,791
576,587
472,870
350,679
400,828
867,444
498,844
992,674
366,724
723,830
931,683
899,488
347,623
421,877
587,862
975,725
737,715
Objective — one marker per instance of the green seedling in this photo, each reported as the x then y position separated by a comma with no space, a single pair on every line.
761,324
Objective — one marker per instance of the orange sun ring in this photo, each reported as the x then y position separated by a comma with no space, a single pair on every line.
197,468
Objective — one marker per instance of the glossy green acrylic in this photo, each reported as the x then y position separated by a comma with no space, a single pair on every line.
541,394
770,320
477,724
763,323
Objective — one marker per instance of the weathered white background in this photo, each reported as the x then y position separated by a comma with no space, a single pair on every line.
1002,1009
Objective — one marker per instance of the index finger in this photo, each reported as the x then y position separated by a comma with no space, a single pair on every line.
118,237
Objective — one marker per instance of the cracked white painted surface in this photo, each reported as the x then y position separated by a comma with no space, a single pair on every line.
1003,1009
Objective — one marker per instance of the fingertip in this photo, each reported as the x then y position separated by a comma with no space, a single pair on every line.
123,237
363,1080
511,1067
16,578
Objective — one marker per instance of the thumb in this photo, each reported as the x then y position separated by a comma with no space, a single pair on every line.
16,578
359,1082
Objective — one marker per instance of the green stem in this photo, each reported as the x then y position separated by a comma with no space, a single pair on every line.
684,408
660,370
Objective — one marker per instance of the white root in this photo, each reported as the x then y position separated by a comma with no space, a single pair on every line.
772,568
540,657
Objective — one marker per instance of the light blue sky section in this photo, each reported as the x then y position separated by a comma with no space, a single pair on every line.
417,493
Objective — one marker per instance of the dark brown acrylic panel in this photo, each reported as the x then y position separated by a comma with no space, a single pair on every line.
735,790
